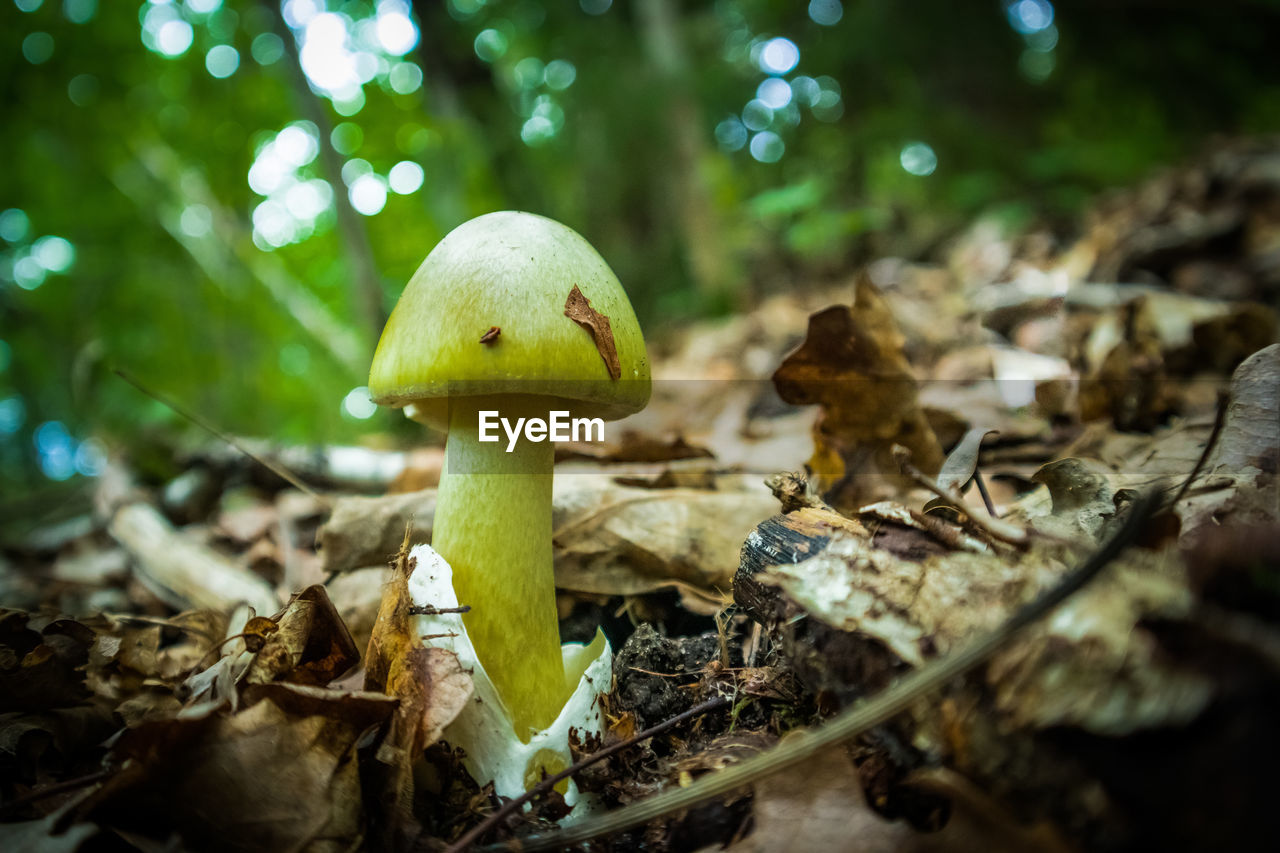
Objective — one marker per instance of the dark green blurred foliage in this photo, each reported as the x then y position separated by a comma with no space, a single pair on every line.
620,123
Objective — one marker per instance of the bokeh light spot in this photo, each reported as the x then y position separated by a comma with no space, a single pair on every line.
731,134
357,404
560,74
14,225
774,92
351,104
55,254
757,115
299,13
405,78
778,56
307,200
355,168
767,147
1044,41
222,60
537,130
347,138
595,7
196,220
406,177
90,458
368,194
174,38
1029,16
56,450
1035,65
826,13
13,412
267,48
82,89
917,158
79,11
204,7
396,33
490,45
28,273
37,48
529,72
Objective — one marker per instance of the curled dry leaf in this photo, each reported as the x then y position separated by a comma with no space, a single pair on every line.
309,643
962,461
852,364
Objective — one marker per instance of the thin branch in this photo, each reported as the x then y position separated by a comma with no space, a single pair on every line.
15,805
274,467
986,496
512,806
1219,420
994,527
367,300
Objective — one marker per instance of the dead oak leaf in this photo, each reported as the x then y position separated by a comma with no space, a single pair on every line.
578,309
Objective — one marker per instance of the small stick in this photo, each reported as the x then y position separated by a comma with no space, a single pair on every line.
511,806
1219,420
57,788
274,467
997,529
431,610
986,496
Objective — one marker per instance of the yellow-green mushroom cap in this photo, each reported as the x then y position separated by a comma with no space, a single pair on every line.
509,278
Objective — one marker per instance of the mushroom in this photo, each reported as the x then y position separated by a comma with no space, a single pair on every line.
569,342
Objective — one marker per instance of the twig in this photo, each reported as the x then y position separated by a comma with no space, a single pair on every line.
53,790
986,496
511,806
1219,420
994,527
803,744
431,610
275,468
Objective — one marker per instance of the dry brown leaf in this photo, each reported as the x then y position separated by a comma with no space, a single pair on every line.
852,364
578,309
431,689
628,541
309,644
962,461
608,539
279,775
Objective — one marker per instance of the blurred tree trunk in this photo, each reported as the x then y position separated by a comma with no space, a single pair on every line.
366,289
685,190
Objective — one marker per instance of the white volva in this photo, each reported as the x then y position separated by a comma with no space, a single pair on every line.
492,750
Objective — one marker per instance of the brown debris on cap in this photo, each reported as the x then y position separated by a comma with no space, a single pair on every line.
578,309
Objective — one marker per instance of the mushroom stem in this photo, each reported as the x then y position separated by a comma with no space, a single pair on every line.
493,525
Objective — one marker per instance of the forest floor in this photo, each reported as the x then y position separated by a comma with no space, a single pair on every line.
199,662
